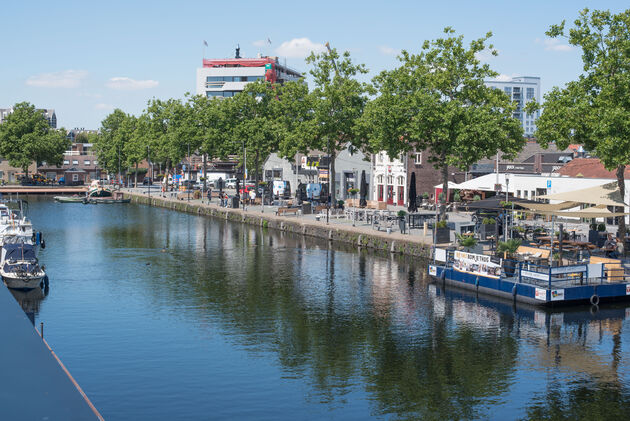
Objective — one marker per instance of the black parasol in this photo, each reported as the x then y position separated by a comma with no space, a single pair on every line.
363,191
413,205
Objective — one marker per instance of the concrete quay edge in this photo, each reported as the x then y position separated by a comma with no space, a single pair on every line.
358,236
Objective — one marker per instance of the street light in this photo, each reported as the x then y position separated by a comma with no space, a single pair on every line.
188,187
150,180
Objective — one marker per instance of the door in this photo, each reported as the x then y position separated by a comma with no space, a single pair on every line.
401,195
380,192
390,195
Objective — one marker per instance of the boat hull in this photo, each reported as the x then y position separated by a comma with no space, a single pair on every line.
69,199
20,282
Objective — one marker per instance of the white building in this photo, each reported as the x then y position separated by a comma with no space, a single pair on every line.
49,115
521,89
389,178
227,77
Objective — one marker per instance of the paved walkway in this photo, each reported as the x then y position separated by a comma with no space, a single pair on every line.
360,227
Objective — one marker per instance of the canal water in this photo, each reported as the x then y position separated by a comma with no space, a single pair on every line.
164,315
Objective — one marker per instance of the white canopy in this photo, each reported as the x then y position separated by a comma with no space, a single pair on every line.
606,195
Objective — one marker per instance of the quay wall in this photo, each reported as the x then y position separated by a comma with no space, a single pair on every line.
360,237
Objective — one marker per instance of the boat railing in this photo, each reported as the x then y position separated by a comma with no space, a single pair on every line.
572,275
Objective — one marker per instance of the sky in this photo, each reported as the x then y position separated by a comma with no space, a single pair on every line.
85,58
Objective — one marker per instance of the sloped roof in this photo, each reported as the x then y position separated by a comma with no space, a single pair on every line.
588,168
531,148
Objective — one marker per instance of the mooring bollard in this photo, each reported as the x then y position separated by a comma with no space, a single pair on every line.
41,329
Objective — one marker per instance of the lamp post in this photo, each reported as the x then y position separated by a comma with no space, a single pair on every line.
188,187
150,180
507,189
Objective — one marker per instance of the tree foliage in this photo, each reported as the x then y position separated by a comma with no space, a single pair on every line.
437,101
25,136
594,110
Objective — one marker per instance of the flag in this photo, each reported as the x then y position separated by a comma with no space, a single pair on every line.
205,43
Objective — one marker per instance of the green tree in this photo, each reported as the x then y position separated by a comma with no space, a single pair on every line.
595,109
437,101
255,125
110,144
335,104
26,137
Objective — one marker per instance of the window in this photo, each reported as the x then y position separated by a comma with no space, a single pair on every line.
253,78
530,93
379,179
390,179
86,162
401,180
418,158
525,194
75,177
518,193
75,162
95,162
66,162
380,157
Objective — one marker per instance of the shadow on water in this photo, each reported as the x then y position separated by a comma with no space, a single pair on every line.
30,300
354,328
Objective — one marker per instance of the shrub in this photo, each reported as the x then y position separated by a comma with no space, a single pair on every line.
457,197
476,198
509,246
466,240
425,195
265,224
441,224
401,213
488,221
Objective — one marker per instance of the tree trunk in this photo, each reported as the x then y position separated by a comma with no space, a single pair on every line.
622,219
444,188
135,180
331,177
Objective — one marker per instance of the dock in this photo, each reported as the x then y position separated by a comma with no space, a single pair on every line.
43,189
34,385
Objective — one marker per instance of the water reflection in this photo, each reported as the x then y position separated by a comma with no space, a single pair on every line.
30,300
354,334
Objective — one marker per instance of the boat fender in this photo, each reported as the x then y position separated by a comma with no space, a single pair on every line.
46,281
443,275
477,282
43,245
594,299
514,292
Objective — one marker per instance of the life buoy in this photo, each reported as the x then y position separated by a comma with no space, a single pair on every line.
594,299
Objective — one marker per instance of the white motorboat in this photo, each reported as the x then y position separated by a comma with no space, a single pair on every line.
19,267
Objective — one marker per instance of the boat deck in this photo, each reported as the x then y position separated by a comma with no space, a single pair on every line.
34,384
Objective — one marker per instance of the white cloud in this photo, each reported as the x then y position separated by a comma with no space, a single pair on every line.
63,79
259,43
129,84
553,44
388,50
102,106
299,48
486,55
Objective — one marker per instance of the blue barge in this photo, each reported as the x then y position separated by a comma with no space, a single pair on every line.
533,284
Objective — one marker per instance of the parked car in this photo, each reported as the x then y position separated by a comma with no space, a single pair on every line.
148,181
62,180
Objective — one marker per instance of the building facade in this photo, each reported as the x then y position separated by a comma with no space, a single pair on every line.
389,177
521,90
227,77
80,161
49,115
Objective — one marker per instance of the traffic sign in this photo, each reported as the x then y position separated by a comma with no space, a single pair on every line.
548,184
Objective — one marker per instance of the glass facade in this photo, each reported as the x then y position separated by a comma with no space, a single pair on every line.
223,94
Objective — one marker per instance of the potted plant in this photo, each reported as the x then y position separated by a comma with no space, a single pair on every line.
488,228
425,196
442,232
507,249
476,198
466,241
353,193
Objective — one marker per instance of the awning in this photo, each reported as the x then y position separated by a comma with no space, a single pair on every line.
594,212
549,207
606,194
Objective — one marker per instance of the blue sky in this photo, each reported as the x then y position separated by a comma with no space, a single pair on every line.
84,58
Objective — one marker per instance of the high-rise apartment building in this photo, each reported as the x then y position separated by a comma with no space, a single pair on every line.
228,76
521,89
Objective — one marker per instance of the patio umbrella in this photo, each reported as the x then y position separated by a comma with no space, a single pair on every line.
413,206
363,191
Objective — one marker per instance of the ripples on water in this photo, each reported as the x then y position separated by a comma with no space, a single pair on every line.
163,315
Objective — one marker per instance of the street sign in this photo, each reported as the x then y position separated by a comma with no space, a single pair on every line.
548,184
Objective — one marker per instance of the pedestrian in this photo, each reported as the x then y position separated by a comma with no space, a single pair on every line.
209,194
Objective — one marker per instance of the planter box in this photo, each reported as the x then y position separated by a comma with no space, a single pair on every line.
487,230
442,235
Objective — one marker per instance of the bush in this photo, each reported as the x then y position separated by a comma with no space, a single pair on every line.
265,224
488,221
457,197
441,224
466,240
353,191
476,198
401,213
506,204
425,195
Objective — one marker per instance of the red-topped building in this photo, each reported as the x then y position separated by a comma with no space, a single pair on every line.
227,76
